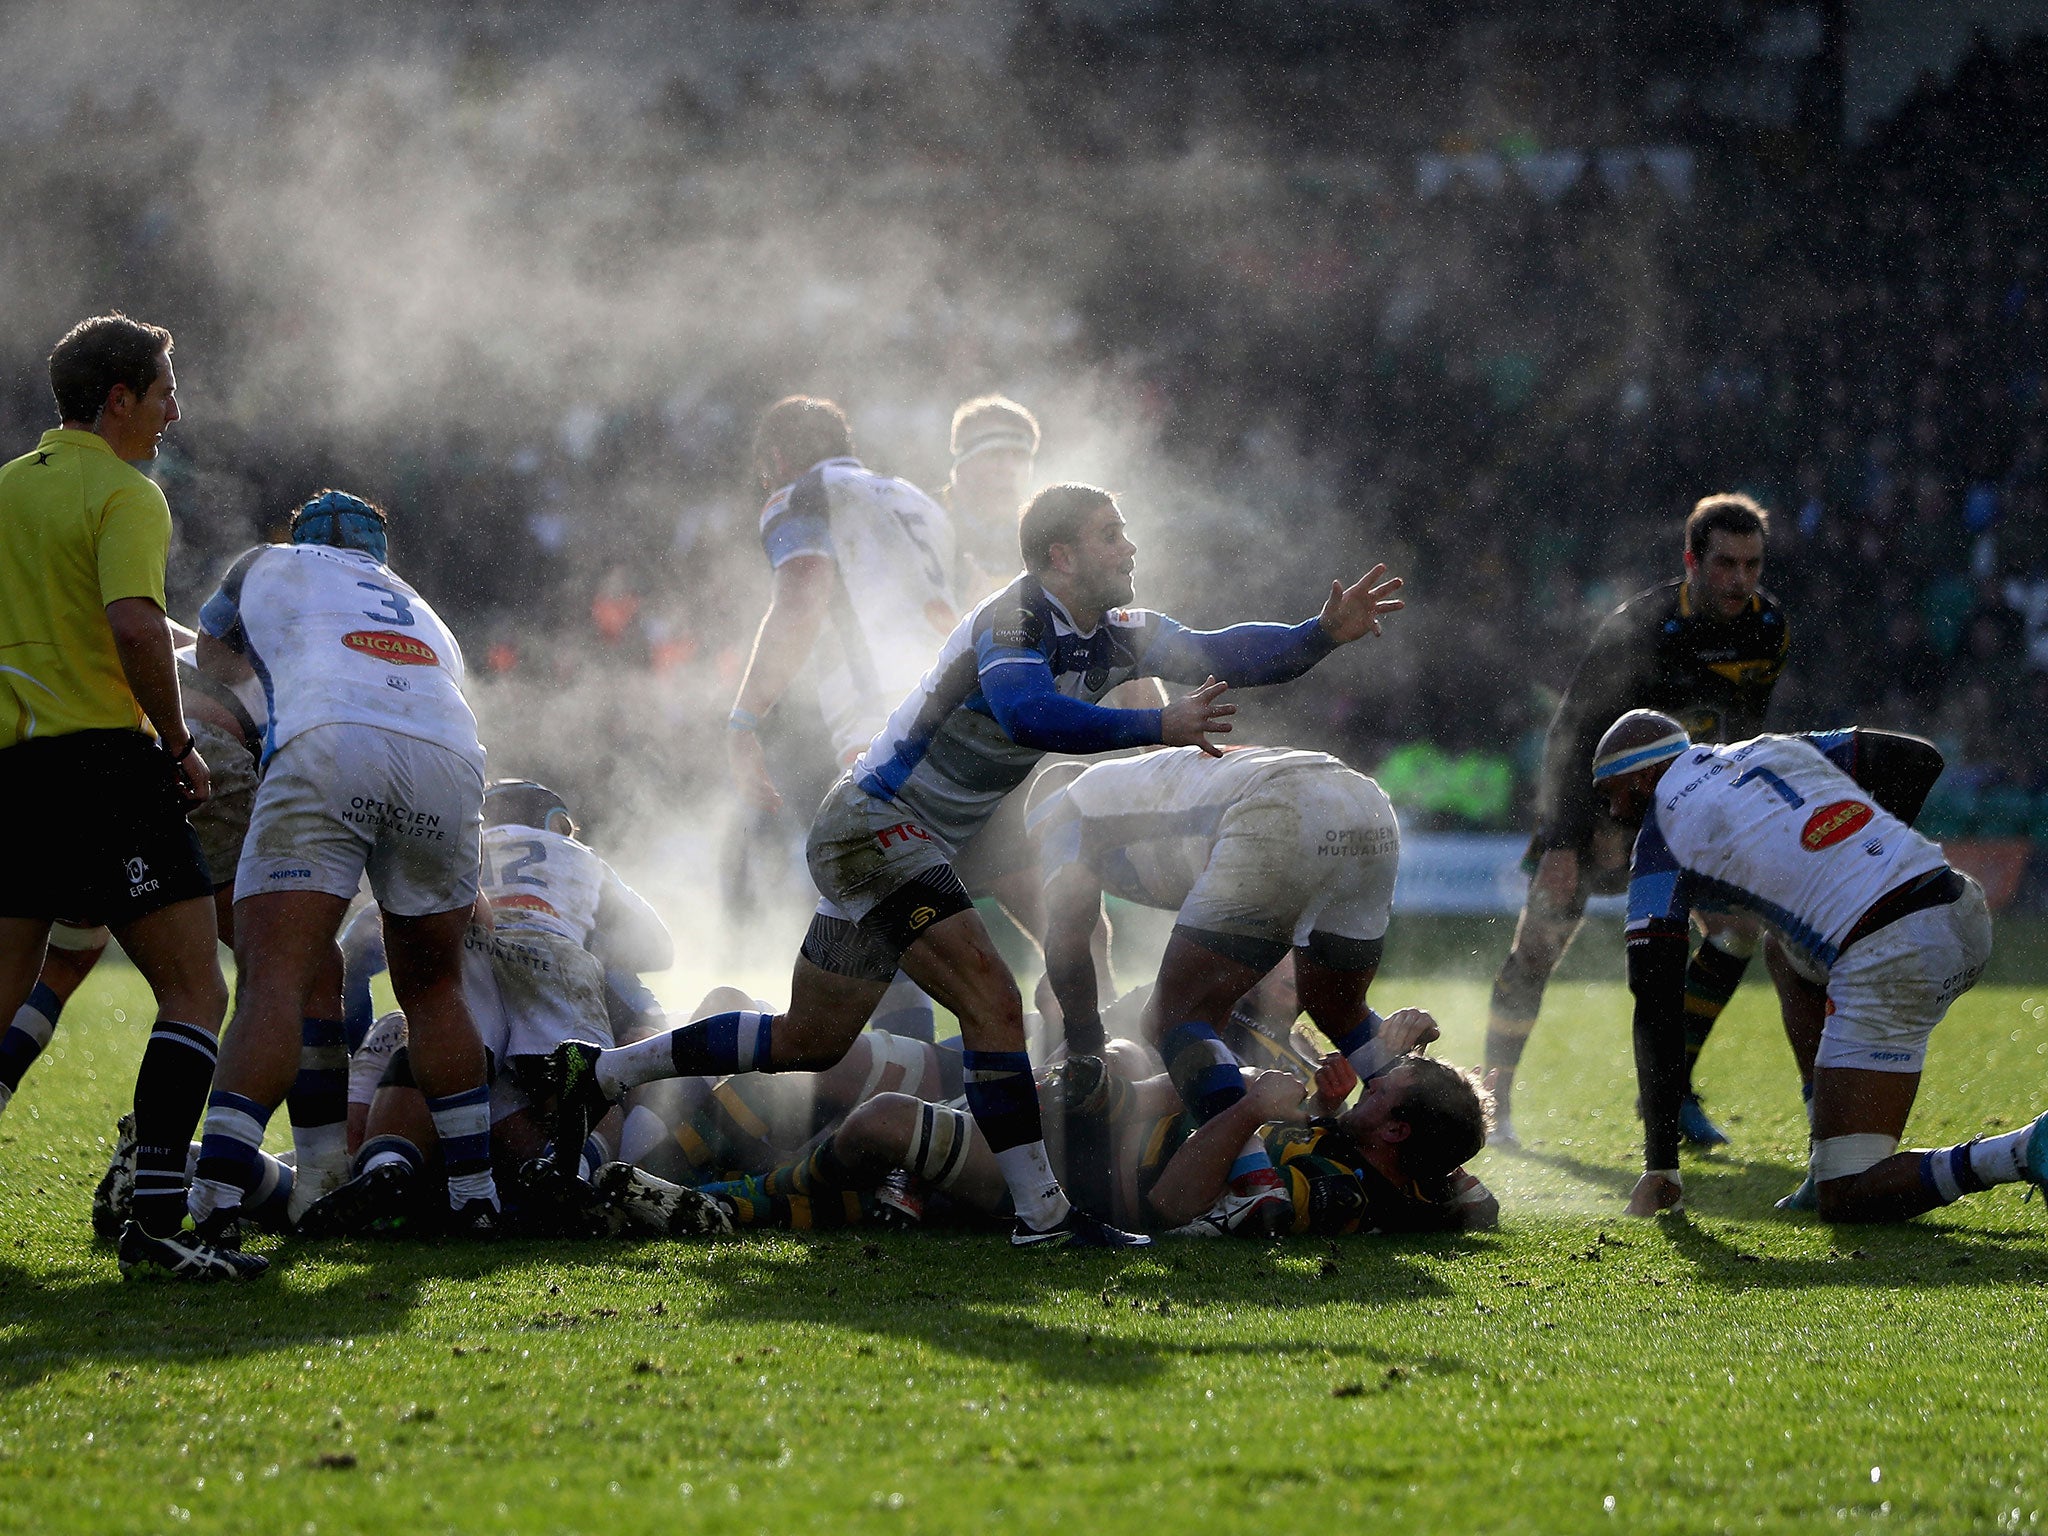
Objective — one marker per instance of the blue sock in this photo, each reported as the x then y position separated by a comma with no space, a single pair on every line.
1947,1174
318,1101
230,1151
462,1121
28,1034
270,1197
1205,1074
1003,1098
379,1150
1252,1159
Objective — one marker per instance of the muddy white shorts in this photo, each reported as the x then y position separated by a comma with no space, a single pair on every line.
1305,853
1892,987
341,800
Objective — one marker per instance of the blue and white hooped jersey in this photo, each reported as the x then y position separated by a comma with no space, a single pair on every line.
892,547
1774,827
338,639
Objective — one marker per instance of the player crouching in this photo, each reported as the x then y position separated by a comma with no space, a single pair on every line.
1797,830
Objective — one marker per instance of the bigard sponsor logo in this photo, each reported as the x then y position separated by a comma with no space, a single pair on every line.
387,645
1834,823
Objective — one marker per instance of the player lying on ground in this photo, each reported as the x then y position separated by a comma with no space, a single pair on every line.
1391,1162
1263,853
1017,679
1778,828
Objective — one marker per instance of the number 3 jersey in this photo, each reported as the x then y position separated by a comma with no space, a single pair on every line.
1775,827
891,547
338,639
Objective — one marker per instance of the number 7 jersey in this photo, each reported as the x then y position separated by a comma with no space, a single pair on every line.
338,639
1771,826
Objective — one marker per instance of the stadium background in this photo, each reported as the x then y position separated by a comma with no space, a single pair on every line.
1491,291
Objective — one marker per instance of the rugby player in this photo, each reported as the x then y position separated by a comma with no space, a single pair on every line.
1792,830
94,747
371,763
995,449
1019,677
1706,648
1262,853
874,556
1391,1162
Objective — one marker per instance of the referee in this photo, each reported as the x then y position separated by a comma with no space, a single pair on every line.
1705,648
95,756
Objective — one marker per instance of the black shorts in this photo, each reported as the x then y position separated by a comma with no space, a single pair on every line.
99,829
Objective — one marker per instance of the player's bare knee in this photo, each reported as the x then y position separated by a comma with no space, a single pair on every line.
721,1000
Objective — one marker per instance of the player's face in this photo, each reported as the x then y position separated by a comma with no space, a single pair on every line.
1629,796
994,482
1725,577
134,424
1104,561
1378,1100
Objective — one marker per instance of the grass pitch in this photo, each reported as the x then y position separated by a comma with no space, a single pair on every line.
1573,1372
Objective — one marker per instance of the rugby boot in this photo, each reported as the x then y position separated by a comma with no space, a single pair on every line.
899,1201
116,1188
183,1255
1076,1230
478,1220
579,1102
1805,1198
1262,1207
2035,1168
384,1202
1502,1136
1694,1126
642,1203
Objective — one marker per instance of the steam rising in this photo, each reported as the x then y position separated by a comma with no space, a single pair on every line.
555,249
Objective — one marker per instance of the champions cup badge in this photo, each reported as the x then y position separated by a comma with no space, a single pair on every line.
399,650
1834,823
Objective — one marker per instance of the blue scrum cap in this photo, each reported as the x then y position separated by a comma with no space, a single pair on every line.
341,521
1639,739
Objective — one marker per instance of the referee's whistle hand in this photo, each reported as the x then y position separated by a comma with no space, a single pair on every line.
1191,721
1352,612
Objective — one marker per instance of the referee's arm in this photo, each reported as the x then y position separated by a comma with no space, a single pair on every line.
142,639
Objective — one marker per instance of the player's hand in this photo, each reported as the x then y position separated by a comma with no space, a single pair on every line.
195,780
749,766
1354,611
1654,1195
1278,1096
1189,722
1335,1078
1407,1029
1557,876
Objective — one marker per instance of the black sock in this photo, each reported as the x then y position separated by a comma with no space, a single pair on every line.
170,1095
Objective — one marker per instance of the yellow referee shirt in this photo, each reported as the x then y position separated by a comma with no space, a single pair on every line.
78,530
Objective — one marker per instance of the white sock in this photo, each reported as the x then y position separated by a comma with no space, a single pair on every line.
1034,1187
465,1187
2001,1159
322,1149
379,1159
625,1067
209,1195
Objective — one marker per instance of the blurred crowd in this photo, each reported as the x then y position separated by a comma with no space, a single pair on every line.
1511,390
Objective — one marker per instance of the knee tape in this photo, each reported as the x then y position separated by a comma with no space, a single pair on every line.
1843,1157
72,937
939,1145
885,1048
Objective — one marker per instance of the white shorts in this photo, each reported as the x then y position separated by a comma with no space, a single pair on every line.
366,1066
530,990
341,800
1889,991
1306,852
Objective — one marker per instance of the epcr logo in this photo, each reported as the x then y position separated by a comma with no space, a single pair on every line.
137,868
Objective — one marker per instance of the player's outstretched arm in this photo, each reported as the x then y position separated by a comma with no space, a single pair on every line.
1353,612
1196,1174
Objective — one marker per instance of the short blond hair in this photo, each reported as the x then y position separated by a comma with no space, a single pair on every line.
993,421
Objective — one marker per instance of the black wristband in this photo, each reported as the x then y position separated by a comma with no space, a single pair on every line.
191,746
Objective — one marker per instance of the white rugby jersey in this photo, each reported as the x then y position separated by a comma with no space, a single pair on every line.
892,548
1770,826
338,639
1146,825
540,879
